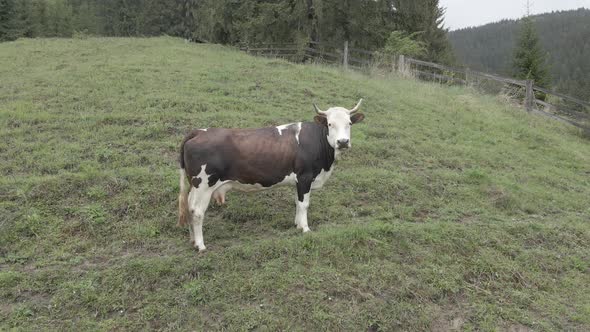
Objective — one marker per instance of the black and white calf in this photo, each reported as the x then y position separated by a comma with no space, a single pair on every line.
302,154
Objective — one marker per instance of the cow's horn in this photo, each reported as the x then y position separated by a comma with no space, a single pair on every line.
318,110
356,108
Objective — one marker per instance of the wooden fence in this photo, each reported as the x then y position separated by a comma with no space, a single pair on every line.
551,104
347,57
557,111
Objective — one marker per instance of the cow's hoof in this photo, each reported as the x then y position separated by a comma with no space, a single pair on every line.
306,229
201,248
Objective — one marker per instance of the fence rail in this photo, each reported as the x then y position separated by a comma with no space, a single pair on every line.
552,110
349,57
565,97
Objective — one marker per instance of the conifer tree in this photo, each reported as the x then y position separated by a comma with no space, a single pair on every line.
23,15
8,22
427,18
529,58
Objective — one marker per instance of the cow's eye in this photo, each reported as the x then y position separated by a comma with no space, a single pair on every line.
329,124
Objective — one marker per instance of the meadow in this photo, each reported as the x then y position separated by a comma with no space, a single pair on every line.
452,210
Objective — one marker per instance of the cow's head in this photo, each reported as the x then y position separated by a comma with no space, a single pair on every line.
338,120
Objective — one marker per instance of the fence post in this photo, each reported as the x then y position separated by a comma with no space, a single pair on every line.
401,65
345,60
467,76
530,95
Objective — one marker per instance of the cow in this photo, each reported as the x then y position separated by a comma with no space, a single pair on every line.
302,154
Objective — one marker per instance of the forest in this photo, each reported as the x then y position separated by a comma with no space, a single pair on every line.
365,24
565,37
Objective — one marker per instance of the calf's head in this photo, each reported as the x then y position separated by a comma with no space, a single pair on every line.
339,120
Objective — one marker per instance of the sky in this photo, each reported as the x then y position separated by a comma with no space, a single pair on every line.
466,13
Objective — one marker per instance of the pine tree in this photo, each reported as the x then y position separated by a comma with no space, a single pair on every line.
564,36
426,17
39,18
85,18
400,42
24,19
529,58
8,22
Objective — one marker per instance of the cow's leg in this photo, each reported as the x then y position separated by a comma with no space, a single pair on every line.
303,191
190,229
219,193
199,199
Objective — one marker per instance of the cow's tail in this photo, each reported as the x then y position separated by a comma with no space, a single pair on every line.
183,200
183,213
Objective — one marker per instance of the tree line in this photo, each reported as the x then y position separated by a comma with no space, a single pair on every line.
366,24
564,39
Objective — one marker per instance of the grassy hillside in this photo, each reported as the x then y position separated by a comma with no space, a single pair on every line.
451,209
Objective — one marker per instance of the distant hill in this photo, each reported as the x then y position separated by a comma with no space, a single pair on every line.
565,36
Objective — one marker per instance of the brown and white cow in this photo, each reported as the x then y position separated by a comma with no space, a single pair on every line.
302,154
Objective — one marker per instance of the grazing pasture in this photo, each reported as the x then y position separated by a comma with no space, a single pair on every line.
451,210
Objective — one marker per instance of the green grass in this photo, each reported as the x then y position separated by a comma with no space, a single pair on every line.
451,210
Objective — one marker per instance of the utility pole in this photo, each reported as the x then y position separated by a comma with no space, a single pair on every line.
528,8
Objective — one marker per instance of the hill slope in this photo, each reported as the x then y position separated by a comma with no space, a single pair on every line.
450,210
564,35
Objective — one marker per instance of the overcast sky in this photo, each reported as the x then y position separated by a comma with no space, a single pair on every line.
466,13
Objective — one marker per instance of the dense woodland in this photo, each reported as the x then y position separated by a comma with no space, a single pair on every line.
365,23
565,37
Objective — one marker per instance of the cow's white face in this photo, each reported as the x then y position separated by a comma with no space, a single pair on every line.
339,120
338,127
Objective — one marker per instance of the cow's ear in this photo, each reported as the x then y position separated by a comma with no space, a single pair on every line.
356,118
321,120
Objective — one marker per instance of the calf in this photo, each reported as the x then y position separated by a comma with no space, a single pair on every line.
302,154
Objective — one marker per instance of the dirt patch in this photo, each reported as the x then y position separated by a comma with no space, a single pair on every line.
451,316
518,328
467,218
443,324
